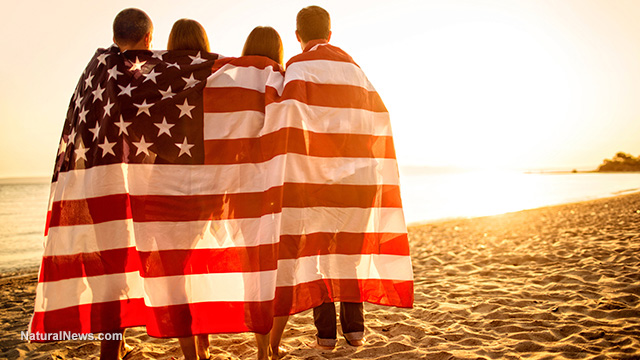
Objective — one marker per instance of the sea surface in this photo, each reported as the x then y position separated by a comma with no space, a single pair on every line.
427,195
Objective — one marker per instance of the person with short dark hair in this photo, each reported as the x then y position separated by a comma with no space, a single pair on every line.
354,248
132,30
187,34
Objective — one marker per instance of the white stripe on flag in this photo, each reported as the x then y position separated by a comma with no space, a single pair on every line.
245,77
259,286
155,236
292,272
144,179
300,221
328,72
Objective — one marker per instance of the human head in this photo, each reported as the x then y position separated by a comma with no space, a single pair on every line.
264,41
187,34
132,30
312,23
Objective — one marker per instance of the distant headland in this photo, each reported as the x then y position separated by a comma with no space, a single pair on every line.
620,162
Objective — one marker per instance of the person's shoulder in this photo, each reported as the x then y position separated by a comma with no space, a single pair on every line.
260,62
322,51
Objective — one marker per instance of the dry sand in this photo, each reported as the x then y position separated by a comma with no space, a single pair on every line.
561,282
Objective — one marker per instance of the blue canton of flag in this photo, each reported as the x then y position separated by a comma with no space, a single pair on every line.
138,106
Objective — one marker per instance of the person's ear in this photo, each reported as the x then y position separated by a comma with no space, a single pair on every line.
329,37
147,40
298,37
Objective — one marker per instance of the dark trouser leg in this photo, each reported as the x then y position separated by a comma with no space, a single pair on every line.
324,317
352,320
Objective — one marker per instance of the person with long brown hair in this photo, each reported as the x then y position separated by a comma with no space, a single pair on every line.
264,41
187,34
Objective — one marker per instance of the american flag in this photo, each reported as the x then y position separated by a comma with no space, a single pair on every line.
196,195
152,219
343,236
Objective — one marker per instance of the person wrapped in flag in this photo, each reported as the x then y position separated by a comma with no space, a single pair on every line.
343,236
157,216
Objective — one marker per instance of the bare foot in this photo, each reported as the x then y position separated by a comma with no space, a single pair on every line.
278,353
125,350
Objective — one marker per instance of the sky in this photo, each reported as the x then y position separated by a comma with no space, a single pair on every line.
489,84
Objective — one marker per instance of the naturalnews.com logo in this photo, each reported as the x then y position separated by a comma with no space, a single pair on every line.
68,335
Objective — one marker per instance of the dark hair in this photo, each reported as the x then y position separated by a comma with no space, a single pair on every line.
130,26
187,34
313,23
264,41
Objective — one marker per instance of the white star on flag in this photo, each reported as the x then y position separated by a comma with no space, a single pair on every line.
137,65
123,126
72,136
107,107
97,93
166,94
81,152
158,54
185,109
142,146
95,131
151,76
164,127
78,102
195,60
175,65
113,73
144,107
185,148
126,90
63,147
82,117
87,82
107,147
191,81
102,59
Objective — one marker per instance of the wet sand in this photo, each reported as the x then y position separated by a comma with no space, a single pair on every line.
559,282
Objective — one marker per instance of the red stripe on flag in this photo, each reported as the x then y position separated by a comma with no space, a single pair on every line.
333,95
169,321
209,261
230,99
294,299
298,141
297,246
159,263
323,52
105,262
221,206
90,318
211,318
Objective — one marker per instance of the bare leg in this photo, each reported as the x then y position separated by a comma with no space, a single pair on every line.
113,349
202,344
279,323
188,347
263,346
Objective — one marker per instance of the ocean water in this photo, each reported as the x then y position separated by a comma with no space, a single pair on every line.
427,196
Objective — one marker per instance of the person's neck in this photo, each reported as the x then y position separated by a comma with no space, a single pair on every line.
311,43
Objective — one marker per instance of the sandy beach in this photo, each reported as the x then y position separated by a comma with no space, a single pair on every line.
559,282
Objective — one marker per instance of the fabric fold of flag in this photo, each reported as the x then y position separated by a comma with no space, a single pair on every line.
156,218
343,236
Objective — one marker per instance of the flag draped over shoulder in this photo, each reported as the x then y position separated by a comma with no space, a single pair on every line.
343,235
160,212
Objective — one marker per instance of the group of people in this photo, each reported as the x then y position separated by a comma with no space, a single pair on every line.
384,245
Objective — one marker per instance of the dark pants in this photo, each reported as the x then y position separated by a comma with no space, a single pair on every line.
351,320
